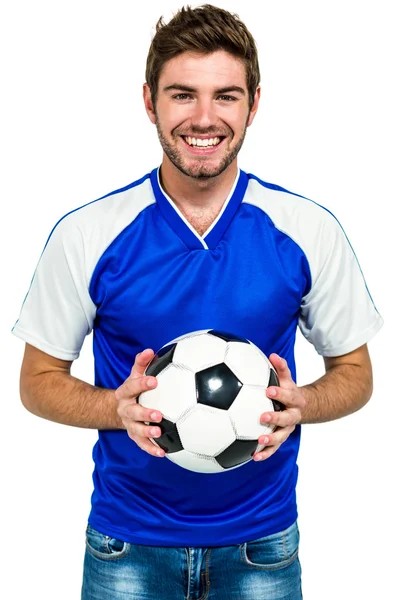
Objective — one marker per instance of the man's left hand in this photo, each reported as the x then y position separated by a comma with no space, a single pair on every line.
286,420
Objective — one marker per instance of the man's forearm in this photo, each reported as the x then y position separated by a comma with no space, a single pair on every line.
60,397
343,389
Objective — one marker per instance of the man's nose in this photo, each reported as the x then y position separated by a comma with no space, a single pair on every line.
204,114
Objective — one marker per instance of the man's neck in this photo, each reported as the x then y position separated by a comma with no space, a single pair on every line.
197,195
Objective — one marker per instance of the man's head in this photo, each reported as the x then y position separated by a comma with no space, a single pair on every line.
202,88
204,29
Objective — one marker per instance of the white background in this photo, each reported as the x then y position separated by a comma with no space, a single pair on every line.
73,128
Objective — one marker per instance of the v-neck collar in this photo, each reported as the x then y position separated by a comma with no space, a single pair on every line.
181,225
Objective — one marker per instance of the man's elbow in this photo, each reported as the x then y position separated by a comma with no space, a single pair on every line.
367,388
32,394
25,393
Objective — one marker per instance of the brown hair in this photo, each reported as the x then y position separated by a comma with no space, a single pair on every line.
204,30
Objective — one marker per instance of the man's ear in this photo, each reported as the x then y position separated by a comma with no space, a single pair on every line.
254,108
148,104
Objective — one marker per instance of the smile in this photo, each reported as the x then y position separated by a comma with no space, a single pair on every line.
202,143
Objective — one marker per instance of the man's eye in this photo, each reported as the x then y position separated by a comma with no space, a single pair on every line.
181,96
227,98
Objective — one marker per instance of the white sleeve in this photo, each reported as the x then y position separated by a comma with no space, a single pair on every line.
338,314
58,312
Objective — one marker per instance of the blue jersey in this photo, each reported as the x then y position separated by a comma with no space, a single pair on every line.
130,268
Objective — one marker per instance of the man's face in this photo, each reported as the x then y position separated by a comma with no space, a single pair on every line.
202,112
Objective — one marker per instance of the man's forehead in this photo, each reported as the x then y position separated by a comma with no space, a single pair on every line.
189,68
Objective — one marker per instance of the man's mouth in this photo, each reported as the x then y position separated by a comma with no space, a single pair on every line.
203,142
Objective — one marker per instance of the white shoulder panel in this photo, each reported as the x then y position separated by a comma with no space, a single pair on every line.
58,312
337,315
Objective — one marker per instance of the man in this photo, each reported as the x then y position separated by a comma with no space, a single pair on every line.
195,244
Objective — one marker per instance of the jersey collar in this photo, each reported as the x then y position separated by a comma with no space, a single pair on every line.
182,227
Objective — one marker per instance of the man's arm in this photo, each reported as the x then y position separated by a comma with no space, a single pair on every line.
345,388
48,390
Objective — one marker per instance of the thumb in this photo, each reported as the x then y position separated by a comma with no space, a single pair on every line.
281,367
141,361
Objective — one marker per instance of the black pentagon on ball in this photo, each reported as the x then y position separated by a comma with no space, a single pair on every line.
228,337
169,439
237,453
273,380
217,386
161,360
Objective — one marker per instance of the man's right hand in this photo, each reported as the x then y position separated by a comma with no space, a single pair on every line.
132,414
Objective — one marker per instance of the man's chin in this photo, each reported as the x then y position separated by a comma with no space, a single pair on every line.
204,174
201,171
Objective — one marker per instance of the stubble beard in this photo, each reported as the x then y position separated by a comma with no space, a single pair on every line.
199,170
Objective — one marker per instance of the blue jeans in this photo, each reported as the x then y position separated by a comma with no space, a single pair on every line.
265,569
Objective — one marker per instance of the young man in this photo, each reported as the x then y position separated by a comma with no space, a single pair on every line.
195,244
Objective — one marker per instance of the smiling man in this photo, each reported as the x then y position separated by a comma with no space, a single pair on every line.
195,244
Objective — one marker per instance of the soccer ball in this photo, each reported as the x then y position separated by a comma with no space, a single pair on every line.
211,393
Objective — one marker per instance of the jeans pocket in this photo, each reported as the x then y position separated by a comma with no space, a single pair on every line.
105,547
272,552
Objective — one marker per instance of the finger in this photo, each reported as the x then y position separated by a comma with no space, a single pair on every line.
284,418
288,397
134,386
277,438
136,412
267,453
139,430
141,361
148,446
278,394
281,367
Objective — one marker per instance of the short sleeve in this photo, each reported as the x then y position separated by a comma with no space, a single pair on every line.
337,314
58,312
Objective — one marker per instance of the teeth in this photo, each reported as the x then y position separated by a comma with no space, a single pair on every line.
197,142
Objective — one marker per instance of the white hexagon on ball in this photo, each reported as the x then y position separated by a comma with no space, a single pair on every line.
250,403
248,363
195,462
200,352
206,430
192,334
170,399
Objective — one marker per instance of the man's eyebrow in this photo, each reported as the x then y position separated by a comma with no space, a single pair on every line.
185,88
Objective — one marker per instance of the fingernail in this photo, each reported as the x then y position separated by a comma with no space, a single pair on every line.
155,416
257,457
267,418
272,392
160,452
151,383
